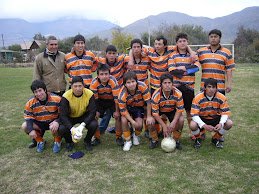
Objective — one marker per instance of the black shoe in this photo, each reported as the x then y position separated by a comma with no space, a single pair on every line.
119,141
217,143
153,144
33,143
203,136
178,145
95,142
69,146
88,147
197,143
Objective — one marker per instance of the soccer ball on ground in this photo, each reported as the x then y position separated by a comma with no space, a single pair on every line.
168,144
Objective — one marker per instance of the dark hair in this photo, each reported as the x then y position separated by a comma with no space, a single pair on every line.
77,79
215,31
111,48
103,67
79,37
136,41
166,76
211,81
36,84
129,75
162,38
181,35
49,38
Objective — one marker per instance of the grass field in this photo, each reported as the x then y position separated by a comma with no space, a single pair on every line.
234,169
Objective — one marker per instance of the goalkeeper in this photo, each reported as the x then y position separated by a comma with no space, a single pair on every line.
77,106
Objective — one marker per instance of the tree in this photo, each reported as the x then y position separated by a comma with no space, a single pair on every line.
96,44
66,44
121,40
145,37
38,36
15,47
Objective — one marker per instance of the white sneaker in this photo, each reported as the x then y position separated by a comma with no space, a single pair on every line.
127,146
136,139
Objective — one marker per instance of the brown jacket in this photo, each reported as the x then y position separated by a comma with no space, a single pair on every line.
50,72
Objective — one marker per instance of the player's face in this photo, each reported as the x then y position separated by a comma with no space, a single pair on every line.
77,88
131,84
159,46
111,56
79,46
104,76
40,94
210,90
214,39
136,49
52,46
182,44
167,85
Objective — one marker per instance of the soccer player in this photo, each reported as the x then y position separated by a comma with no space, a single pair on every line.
183,71
210,111
80,62
132,98
77,106
41,113
168,101
105,89
216,61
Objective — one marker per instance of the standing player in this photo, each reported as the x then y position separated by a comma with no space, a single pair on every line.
183,71
168,101
80,62
41,114
210,111
105,89
132,98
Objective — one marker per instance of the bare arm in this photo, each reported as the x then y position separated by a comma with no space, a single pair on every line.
229,78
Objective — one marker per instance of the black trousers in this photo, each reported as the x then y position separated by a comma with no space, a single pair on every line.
91,128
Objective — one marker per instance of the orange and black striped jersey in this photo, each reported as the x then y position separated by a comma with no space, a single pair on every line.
81,66
141,68
208,109
139,99
175,60
48,112
108,92
159,64
117,69
215,64
160,103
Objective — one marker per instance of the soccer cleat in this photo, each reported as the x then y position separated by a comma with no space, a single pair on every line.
69,146
178,145
95,142
127,146
136,139
203,136
153,144
33,143
222,139
217,143
40,146
119,141
197,143
56,147
88,146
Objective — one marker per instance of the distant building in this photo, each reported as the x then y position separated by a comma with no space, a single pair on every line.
32,46
6,56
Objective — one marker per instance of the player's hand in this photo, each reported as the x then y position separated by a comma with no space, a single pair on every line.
209,128
53,126
218,127
97,116
116,115
130,65
181,68
228,89
33,134
192,57
143,54
172,127
134,124
150,120
165,131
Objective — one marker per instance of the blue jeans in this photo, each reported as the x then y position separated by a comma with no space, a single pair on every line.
104,122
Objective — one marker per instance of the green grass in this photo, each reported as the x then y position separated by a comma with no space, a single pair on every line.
108,169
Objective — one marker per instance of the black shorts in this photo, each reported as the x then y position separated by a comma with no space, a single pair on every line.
136,112
103,105
43,126
213,121
170,115
188,95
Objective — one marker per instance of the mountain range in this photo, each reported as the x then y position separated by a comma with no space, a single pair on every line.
16,31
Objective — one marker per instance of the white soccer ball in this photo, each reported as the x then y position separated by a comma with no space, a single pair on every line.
168,144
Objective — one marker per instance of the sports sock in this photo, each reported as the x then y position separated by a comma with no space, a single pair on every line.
217,135
118,134
97,134
57,139
153,134
126,135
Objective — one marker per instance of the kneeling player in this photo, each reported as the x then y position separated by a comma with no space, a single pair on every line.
168,101
132,98
41,114
105,89
210,111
